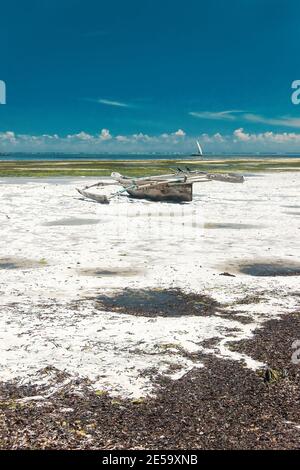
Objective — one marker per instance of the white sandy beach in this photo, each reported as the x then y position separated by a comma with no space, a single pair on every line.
52,242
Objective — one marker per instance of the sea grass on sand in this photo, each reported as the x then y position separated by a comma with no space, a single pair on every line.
86,167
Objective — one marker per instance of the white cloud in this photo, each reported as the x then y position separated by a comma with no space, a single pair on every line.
141,137
180,133
219,115
81,136
241,135
175,142
105,135
218,137
234,115
268,137
122,138
113,103
54,136
8,136
285,121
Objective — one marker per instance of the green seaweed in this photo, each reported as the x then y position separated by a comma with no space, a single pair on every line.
46,169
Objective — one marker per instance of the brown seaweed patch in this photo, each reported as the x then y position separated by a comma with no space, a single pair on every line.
160,302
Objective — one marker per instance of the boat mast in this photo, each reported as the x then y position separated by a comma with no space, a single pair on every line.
199,148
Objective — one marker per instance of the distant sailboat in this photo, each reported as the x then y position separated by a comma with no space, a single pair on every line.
200,152
199,148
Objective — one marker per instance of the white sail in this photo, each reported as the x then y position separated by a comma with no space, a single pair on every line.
199,148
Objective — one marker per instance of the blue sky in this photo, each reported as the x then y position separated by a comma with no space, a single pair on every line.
147,75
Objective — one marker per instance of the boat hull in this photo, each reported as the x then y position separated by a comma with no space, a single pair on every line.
182,192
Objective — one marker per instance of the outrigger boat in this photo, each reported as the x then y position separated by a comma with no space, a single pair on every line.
175,187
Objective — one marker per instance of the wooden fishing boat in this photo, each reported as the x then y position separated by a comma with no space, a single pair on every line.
156,190
175,187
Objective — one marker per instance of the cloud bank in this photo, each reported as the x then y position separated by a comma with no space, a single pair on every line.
173,142
234,115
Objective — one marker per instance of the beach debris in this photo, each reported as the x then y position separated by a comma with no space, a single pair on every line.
271,375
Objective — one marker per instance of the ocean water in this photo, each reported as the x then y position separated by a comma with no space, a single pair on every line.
133,157
83,157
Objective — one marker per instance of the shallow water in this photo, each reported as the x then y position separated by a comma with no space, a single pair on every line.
292,213
230,225
71,221
270,269
102,272
8,265
19,263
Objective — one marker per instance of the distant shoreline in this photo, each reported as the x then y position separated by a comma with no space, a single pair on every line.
69,157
